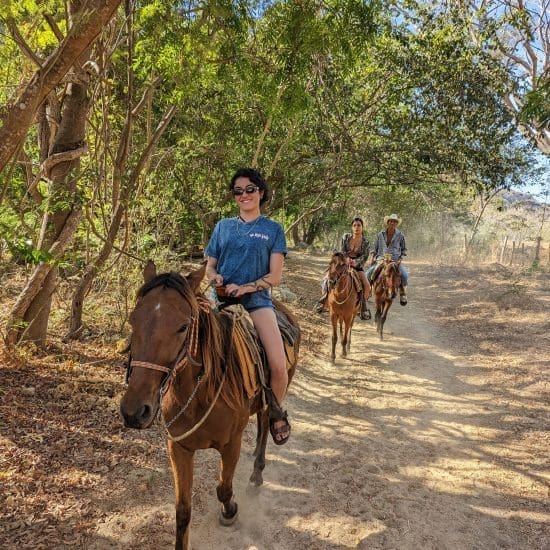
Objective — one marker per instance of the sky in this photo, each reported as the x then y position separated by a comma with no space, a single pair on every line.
539,186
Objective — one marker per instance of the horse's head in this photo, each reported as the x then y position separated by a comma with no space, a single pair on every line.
161,322
391,278
337,267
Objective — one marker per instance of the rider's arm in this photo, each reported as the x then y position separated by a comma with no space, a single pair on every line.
376,251
403,246
211,274
273,278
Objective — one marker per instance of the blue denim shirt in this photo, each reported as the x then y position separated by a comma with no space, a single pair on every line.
397,247
243,250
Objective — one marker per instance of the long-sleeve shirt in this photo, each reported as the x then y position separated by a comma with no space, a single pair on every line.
359,256
397,247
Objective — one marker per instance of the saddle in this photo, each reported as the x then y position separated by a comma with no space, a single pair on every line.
376,272
356,281
252,357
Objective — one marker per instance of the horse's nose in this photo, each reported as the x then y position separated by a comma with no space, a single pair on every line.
137,419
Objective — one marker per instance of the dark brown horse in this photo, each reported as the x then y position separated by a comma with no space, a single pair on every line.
385,288
184,360
343,302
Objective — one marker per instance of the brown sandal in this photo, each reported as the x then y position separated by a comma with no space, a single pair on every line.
283,431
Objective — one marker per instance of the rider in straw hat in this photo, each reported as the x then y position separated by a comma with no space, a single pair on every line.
390,241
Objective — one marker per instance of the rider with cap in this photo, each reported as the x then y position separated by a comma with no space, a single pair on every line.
390,241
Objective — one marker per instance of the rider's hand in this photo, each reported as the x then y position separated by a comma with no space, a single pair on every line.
236,291
217,280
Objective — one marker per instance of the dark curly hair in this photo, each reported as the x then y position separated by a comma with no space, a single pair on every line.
255,177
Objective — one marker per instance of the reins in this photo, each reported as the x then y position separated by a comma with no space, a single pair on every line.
348,283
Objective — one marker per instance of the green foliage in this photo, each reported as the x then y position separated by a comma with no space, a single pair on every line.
536,109
346,107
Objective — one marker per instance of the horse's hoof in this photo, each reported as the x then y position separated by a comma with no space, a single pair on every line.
226,519
256,479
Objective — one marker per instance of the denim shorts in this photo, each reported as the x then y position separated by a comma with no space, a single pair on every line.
252,301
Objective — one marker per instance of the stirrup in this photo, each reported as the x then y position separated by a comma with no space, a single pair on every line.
365,315
320,305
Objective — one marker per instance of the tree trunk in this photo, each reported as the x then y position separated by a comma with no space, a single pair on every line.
63,179
295,235
88,21
503,250
537,249
31,323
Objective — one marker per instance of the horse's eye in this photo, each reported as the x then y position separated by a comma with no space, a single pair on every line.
183,328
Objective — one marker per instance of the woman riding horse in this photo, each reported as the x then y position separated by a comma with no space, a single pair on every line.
355,247
245,258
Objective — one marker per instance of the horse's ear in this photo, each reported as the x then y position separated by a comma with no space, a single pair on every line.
195,278
149,271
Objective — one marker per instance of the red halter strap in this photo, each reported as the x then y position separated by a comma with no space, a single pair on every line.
152,366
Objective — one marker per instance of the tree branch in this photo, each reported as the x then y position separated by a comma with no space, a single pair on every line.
20,41
53,26
16,122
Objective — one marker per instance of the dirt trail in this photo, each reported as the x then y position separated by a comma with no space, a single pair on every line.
404,444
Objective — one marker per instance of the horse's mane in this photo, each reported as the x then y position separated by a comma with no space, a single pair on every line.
167,280
215,341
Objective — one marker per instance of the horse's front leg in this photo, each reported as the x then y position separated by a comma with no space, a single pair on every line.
351,323
334,337
377,317
383,316
345,337
182,470
259,451
230,456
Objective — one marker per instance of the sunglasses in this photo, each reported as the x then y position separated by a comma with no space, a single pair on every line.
249,189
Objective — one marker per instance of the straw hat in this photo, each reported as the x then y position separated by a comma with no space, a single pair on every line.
392,217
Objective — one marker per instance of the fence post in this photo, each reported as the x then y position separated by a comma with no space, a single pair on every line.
537,249
503,249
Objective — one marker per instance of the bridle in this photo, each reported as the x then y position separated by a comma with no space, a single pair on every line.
184,358
341,270
384,279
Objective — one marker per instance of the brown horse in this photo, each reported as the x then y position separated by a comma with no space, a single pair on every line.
343,302
184,360
385,287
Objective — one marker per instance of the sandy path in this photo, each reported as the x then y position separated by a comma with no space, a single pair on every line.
401,445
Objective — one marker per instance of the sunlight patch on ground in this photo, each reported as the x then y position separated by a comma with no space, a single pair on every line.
286,488
539,517
323,452
471,476
332,529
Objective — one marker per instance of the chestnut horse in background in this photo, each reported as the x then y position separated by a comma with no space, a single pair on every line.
385,287
343,302
184,360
